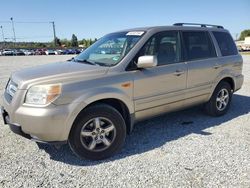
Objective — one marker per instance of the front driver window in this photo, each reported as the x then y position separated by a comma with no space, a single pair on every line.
165,46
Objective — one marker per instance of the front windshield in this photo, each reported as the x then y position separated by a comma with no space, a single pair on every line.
110,49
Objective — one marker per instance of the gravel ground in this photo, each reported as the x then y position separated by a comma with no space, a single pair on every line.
182,149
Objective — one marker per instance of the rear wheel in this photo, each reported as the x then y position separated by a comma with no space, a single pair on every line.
220,101
98,132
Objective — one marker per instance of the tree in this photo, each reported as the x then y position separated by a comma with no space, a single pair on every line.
66,42
244,34
82,42
74,41
58,42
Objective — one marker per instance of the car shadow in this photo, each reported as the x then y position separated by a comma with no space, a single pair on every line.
154,133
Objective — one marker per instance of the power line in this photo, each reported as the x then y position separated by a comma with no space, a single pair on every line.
25,22
5,22
31,22
33,37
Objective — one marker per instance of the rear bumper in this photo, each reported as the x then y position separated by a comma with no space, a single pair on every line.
238,82
17,129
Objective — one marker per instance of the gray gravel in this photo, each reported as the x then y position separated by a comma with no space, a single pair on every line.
183,149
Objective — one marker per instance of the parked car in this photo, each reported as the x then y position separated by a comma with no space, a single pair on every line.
72,51
29,52
93,101
59,52
50,52
7,52
18,52
40,52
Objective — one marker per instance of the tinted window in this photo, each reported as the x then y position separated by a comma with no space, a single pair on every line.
198,45
164,45
226,43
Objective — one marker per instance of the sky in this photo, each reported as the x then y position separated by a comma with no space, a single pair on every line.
95,18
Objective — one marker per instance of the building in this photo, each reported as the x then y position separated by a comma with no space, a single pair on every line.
243,45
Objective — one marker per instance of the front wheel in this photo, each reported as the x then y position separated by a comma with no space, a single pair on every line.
220,101
98,132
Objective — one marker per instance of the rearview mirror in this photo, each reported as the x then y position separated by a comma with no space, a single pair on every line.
147,61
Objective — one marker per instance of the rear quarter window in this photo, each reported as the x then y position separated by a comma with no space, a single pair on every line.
226,43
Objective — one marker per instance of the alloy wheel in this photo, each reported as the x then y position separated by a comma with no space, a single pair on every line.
98,134
222,99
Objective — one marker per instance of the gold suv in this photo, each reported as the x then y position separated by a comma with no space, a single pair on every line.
93,100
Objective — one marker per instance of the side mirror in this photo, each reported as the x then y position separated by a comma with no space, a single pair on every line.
147,61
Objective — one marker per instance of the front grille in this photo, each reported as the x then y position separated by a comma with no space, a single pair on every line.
10,90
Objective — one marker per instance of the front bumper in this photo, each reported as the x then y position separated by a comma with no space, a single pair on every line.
40,125
14,128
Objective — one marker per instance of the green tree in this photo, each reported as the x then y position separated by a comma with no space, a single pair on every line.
58,42
74,41
66,42
244,34
82,42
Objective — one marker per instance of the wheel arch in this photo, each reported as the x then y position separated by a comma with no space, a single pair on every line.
121,107
227,79
116,103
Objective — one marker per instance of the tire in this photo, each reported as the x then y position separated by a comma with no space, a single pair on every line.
212,107
107,128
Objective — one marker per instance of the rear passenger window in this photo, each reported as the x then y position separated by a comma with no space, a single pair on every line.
198,45
226,43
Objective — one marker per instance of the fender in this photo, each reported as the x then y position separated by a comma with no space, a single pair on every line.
94,95
226,73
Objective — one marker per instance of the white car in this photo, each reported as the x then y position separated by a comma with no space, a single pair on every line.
7,52
50,52
59,52
28,52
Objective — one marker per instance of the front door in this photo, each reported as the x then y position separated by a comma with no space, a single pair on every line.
165,83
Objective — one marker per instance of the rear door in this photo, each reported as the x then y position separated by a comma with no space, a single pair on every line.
201,61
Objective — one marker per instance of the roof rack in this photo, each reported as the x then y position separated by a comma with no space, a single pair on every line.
201,25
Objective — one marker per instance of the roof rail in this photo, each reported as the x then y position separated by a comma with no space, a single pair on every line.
201,25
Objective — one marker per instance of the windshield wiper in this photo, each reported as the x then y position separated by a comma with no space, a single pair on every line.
84,61
102,64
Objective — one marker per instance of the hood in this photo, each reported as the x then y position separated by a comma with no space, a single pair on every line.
60,70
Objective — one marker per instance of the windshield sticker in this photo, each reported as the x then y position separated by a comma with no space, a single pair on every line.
135,33
116,58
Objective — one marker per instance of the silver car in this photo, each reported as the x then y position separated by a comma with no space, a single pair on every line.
93,101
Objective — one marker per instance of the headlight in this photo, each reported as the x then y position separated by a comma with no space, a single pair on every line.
42,94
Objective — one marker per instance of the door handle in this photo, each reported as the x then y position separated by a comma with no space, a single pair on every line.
178,72
216,66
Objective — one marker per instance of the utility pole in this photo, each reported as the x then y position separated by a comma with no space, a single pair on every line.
236,36
54,32
2,32
13,28
2,36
